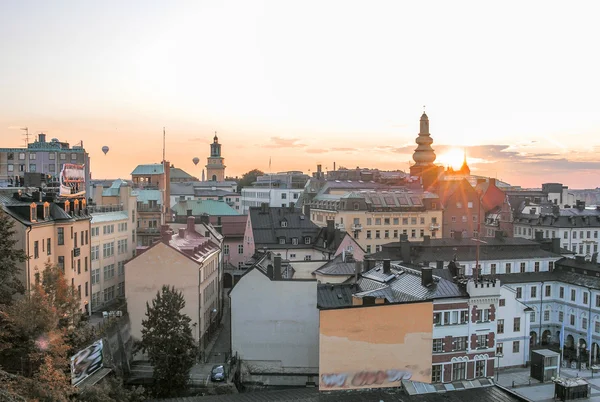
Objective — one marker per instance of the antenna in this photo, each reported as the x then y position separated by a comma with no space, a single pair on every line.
164,136
26,135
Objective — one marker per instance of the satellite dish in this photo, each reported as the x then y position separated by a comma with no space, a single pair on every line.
196,160
105,149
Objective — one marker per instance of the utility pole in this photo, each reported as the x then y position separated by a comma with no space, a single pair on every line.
26,135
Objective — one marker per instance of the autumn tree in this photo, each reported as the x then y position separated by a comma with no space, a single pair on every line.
167,339
10,259
248,178
111,390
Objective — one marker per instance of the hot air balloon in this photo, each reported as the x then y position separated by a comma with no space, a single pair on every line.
105,149
196,160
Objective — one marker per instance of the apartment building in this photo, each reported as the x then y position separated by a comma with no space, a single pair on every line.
375,218
577,227
463,211
276,189
41,156
53,232
189,261
152,187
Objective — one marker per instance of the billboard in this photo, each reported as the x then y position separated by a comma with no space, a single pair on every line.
72,180
376,346
86,362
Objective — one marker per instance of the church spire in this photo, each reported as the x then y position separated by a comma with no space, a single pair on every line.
424,154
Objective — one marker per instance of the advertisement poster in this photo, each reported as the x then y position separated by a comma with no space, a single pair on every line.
72,180
86,362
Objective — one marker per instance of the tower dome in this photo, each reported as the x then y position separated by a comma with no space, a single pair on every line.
424,154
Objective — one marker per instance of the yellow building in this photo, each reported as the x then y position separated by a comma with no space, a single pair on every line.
379,217
57,233
187,260
215,168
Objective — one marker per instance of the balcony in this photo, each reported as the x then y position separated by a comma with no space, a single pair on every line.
148,231
434,226
339,226
357,227
147,209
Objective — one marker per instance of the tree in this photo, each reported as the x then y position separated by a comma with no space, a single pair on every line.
10,258
111,390
167,339
248,178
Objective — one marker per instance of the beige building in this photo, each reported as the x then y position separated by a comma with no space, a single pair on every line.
379,217
188,260
112,242
51,232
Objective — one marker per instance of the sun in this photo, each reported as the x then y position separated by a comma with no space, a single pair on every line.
454,158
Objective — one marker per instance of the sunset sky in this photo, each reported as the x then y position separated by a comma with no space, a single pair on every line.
307,82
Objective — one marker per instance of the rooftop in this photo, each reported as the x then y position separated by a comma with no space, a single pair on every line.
144,196
114,189
199,207
150,169
177,173
272,224
102,217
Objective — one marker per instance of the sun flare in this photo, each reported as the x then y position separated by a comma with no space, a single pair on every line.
453,157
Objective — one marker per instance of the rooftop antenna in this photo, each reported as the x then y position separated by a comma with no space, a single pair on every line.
164,136
26,135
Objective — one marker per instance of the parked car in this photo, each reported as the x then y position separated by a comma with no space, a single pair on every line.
217,373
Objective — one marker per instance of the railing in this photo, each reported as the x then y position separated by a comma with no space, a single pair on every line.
434,226
357,227
148,230
149,209
105,208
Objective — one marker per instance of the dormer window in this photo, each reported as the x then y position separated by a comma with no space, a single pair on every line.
282,240
295,241
76,206
83,203
307,240
46,210
33,212
284,224
67,207
356,206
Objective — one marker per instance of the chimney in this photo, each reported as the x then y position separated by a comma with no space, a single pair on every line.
358,267
556,245
264,207
165,236
191,224
387,265
270,271
498,234
42,137
539,235
492,181
405,251
439,264
426,276
334,166
277,268
368,264
181,233
426,240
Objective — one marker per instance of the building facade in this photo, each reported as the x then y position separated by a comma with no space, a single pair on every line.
277,189
375,218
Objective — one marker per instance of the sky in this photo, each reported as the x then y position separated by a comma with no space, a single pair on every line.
515,84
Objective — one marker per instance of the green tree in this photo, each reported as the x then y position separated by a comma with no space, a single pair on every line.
167,339
111,390
248,178
10,258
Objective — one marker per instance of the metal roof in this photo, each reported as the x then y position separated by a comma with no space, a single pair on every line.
150,169
199,207
267,228
114,188
177,173
109,217
149,195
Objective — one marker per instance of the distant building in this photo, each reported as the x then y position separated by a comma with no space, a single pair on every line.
53,232
187,260
377,217
276,189
188,191
215,167
178,175
462,208
424,156
44,157
275,325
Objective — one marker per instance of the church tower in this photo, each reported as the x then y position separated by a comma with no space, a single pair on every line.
215,169
424,156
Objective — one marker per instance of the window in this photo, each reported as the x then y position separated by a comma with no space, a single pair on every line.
226,249
368,249
502,302
534,292
61,262
307,258
536,266
437,318
483,315
458,371
597,300
517,324
95,276
561,316
413,233
436,373
396,221
522,267
32,167
108,249
109,294
61,236
95,251
86,264
515,346
378,221
11,168
36,249
395,234
386,221
561,292
482,341
460,343
585,298
405,221
122,246
121,289
572,319
474,218
499,349
282,240
369,221
307,240
421,233
22,156
459,205
584,322
413,221
464,218
438,346
573,295
596,326
508,266
574,235
284,224
422,220
121,268
377,234
368,234
240,249
480,368
500,326
109,272
79,266
519,293
73,157
49,246
464,317
386,234
532,317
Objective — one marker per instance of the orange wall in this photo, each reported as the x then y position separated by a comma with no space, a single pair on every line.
375,347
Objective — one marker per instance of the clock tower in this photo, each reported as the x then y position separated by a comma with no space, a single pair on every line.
215,169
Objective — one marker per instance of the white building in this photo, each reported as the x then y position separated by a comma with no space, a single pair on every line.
275,197
275,325
577,228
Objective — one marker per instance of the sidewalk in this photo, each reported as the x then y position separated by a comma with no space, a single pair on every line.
222,330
